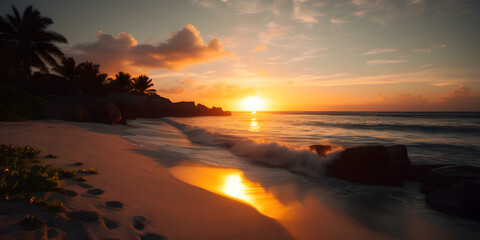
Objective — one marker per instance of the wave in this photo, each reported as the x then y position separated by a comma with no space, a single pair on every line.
385,114
272,154
396,127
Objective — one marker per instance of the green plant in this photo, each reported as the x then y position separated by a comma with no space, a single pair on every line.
18,105
80,178
32,221
49,204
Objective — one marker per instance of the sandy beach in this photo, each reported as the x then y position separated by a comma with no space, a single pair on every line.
171,208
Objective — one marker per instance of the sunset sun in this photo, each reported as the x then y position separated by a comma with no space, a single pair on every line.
253,104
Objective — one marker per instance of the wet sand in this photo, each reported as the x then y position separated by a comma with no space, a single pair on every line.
146,189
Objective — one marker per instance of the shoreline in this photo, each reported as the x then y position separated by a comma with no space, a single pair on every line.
171,207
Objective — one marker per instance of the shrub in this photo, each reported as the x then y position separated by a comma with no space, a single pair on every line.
32,221
18,105
49,204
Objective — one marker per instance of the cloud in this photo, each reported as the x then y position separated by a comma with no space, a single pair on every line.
459,99
259,48
337,21
183,48
173,90
422,50
225,91
383,61
379,50
303,12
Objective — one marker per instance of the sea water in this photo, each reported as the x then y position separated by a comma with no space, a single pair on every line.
271,151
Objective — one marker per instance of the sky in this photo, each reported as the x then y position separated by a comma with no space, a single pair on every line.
295,55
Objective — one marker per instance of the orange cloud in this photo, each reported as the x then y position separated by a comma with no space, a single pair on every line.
182,49
225,91
173,90
259,48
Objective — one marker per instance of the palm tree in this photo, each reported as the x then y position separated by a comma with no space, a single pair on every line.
123,82
26,42
141,85
69,69
90,80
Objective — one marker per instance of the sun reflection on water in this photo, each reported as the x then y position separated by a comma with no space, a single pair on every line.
254,127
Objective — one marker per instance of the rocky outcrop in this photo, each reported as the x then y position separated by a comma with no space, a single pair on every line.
66,112
460,199
441,177
378,164
134,106
95,109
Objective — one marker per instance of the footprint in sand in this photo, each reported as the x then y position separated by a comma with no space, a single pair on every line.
69,193
109,223
95,191
139,222
85,216
84,185
114,204
152,236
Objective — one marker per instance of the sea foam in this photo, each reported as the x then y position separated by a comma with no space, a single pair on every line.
272,154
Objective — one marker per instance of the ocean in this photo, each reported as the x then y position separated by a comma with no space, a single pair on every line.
274,171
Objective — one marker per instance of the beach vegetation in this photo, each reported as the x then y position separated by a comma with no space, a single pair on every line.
32,221
20,176
26,43
142,85
122,82
18,105
49,204
80,178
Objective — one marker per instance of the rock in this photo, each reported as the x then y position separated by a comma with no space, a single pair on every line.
418,172
321,149
114,204
461,199
99,109
376,164
51,156
139,222
95,191
67,112
85,216
441,177
152,236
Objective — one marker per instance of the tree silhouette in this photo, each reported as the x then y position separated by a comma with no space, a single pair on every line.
25,42
69,69
90,80
141,85
122,82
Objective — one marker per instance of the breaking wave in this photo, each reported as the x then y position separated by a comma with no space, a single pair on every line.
272,154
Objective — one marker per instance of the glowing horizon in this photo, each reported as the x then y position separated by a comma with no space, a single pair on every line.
358,55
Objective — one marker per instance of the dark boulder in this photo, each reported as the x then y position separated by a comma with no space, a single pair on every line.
131,106
376,164
461,199
441,177
418,172
99,109
66,112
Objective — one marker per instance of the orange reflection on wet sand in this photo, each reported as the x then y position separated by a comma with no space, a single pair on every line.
230,183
